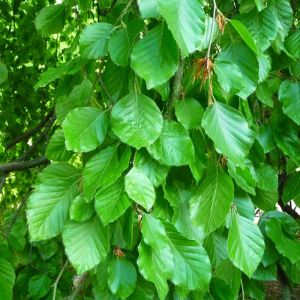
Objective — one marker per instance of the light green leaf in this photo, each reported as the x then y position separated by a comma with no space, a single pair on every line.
156,172
7,279
229,130
189,113
245,244
56,149
240,57
48,206
86,244
155,266
211,32
84,5
283,13
104,168
288,94
51,19
85,129
139,188
155,57
148,9
94,40
244,177
262,26
122,277
259,4
111,201
245,35
186,20
136,120
192,269
80,210
39,286
286,246
243,204
79,97
212,200
174,146
3,72
291,189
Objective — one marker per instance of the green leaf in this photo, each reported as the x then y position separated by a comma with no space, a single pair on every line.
94,40
174,146
186,20
291,190
155,266
189,113
212,200
230,76
104,168
136,120
79,97
7,280
156,172
80,210
139,188
288,94
39,286
262,26
259,4
56,149
285,245
51,19
229,130
245,35
245,244
244,63
243,204
292,44
85,129
3,72
155,57
148,9
267,178
264,94
122,277
192,269
265,200
49,204
86,244
111,201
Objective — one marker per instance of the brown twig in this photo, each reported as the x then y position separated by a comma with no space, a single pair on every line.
23,165
177,87
27,134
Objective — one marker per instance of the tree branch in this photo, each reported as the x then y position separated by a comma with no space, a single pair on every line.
177,86
31,132
23,165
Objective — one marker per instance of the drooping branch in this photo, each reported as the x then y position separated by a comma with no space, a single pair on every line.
23,165
176,90
31,132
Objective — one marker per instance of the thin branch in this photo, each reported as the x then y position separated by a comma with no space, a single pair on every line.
105,90
58,279
31,132
211,29
2,181
177,87
80,281
23,165
16,214
124,12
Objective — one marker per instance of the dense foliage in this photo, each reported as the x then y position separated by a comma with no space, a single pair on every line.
149,149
